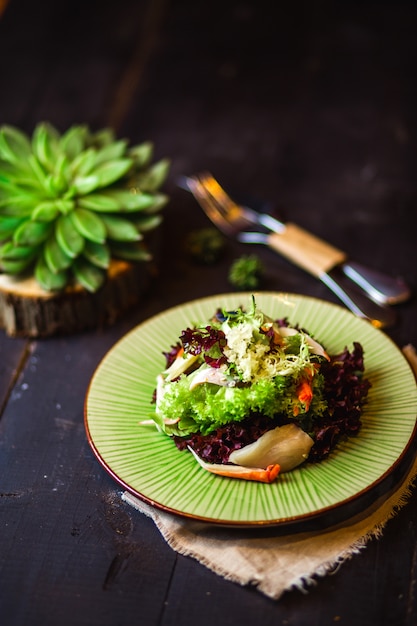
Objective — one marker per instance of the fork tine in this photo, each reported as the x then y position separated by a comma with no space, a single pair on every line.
213,210
217,192
216,203
230,210
212,190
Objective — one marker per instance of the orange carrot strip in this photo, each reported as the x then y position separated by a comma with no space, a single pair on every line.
305,393
257,474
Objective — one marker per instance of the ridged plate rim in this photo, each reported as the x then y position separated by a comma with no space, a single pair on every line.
147,464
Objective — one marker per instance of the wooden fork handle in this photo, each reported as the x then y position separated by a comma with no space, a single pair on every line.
306,250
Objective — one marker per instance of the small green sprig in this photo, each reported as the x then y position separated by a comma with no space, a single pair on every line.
71,202
205,245
246,272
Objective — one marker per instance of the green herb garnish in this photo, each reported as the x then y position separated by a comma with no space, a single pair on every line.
205,245
246,272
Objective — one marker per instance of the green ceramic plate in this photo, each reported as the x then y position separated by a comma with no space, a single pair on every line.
147,463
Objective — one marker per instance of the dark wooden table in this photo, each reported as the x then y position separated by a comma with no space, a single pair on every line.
310,106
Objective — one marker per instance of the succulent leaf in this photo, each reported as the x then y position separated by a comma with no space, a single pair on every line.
31,233
131,200
45,144
85,184
14,147
97,253
10,252
19,204
158,202
142,154
135,200
73,141
55,257
100,202
9,172
7,187
152,179
84,163
39,174
50,281
8,225
62,171
103,137
65,205
45,211
134,251
146,223
15,266
71,202
111,152
88,275
108,173
89,225
68,237
120,229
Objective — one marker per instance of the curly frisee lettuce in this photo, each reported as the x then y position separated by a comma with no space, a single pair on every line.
251,396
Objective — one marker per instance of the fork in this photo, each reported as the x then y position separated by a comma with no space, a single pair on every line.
234,219
312,254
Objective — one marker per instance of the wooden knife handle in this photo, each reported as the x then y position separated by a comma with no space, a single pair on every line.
306,250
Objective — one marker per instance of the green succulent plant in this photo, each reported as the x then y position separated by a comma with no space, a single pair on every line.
71,202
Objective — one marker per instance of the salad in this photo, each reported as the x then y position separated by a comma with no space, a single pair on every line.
250,396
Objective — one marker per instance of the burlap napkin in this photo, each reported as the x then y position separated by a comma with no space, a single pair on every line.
276,563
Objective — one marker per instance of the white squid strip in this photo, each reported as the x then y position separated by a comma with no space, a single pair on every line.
288,446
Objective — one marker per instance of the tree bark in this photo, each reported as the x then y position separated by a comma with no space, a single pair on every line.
26,310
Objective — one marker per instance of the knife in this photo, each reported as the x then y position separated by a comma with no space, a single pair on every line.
317,256
318,263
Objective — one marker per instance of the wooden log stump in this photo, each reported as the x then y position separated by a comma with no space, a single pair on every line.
26,310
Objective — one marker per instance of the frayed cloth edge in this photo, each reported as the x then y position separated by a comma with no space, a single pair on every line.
328,567
302,582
